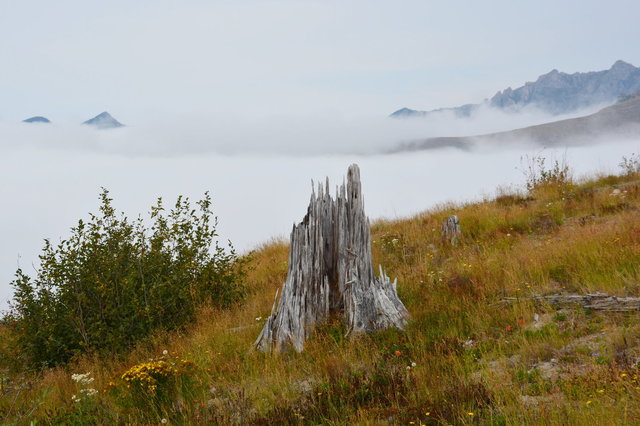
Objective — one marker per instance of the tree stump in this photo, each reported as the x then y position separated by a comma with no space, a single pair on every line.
330,273
451,230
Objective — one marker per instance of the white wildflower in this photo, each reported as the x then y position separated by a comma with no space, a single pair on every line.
165,352
164,421
413,364
83,379
89,391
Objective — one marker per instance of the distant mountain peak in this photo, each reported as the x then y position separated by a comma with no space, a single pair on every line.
621,64
36,119
407,113
622,71
104,120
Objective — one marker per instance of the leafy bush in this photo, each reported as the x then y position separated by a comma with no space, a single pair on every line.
114,281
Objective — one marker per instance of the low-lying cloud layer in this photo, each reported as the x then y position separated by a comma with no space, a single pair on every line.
299,136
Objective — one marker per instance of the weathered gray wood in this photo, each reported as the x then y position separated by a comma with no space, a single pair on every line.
596,301
451,230
331,274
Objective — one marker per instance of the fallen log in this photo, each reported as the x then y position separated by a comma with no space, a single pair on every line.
595,301
331,274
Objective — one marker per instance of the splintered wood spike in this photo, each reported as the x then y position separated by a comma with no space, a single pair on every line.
331,274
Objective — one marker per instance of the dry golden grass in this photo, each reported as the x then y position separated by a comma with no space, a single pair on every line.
477,361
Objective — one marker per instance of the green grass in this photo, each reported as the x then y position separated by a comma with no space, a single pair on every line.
477,361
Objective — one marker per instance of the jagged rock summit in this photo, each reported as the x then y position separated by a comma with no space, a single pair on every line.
36,119
104,121
555,92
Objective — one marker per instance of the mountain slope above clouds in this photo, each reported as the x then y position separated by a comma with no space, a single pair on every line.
621,119
554,93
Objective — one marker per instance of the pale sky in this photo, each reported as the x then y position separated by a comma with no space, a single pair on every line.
166,60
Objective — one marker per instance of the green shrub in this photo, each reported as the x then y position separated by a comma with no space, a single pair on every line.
114,281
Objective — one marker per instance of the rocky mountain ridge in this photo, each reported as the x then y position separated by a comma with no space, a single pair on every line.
555,93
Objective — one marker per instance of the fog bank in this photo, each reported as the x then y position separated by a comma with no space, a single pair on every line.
256,197
328,134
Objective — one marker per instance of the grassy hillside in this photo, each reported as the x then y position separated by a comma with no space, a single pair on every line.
465,358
